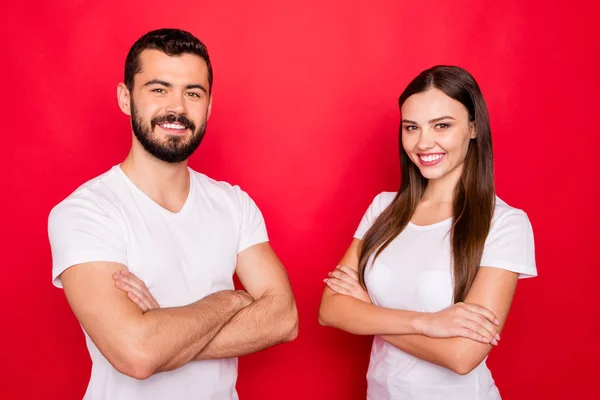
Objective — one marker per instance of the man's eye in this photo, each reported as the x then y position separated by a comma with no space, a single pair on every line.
194,95
158,90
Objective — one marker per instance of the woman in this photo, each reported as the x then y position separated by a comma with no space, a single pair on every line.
432,269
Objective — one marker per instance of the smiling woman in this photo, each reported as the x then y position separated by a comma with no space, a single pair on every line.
440,258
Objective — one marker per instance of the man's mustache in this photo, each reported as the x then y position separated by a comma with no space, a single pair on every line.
171,119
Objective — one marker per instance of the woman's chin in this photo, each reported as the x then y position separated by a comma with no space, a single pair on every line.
431,174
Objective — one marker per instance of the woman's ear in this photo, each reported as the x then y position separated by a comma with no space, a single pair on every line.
472,130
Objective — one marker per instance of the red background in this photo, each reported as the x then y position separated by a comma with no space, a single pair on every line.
305,119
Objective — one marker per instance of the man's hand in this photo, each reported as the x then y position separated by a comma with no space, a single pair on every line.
138,292
246,298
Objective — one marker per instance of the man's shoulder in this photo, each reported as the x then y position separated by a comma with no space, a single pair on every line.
98,193
216,188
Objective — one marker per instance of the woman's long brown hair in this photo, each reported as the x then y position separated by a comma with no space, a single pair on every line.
474,196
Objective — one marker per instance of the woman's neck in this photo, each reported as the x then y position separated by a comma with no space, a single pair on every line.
442,190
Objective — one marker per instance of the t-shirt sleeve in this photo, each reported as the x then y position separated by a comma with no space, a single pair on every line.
81,231
379,203
510,245
252,224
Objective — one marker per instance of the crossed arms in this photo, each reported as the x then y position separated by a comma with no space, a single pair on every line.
224,324
458,338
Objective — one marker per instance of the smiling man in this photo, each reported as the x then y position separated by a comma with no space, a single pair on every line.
146,252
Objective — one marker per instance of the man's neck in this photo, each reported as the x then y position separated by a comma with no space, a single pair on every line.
167,184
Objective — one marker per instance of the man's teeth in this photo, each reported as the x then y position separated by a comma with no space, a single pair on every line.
173,126
431,158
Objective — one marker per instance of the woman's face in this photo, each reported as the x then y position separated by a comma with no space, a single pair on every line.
436,133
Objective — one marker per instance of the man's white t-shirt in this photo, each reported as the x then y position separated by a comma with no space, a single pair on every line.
415,273
182,257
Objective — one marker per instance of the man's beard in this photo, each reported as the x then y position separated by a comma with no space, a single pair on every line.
176,148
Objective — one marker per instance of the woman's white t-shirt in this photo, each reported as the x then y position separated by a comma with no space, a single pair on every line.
415,273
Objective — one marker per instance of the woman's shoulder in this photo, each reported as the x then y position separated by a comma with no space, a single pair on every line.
507,214
382,201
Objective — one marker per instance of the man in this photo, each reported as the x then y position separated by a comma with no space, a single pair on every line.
146,251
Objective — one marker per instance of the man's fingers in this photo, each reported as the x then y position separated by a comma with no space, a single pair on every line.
132,280
130,289
135,279
137,301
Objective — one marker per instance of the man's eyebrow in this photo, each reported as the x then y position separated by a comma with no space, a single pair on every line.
197,86
157,82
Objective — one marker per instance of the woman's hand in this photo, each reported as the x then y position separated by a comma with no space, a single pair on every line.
461,320
344,280
136,290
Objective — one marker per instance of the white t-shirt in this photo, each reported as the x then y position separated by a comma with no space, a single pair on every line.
181,257
415,273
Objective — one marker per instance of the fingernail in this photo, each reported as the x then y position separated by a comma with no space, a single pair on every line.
329,274
325,280
497,336
494,342
497,322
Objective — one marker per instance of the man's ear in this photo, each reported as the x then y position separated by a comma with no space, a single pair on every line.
124,98
210,99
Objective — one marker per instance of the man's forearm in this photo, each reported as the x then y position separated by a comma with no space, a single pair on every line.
171,337
265,323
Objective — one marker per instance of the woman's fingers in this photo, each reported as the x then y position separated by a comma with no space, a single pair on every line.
338,286
470,334
490,316
488,337
349,271
485,323
342,276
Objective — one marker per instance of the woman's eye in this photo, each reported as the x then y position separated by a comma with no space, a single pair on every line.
442,126
410,127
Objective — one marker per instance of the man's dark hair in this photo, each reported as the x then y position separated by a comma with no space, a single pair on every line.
172,42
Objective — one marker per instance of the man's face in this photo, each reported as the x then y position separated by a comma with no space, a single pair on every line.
170,104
